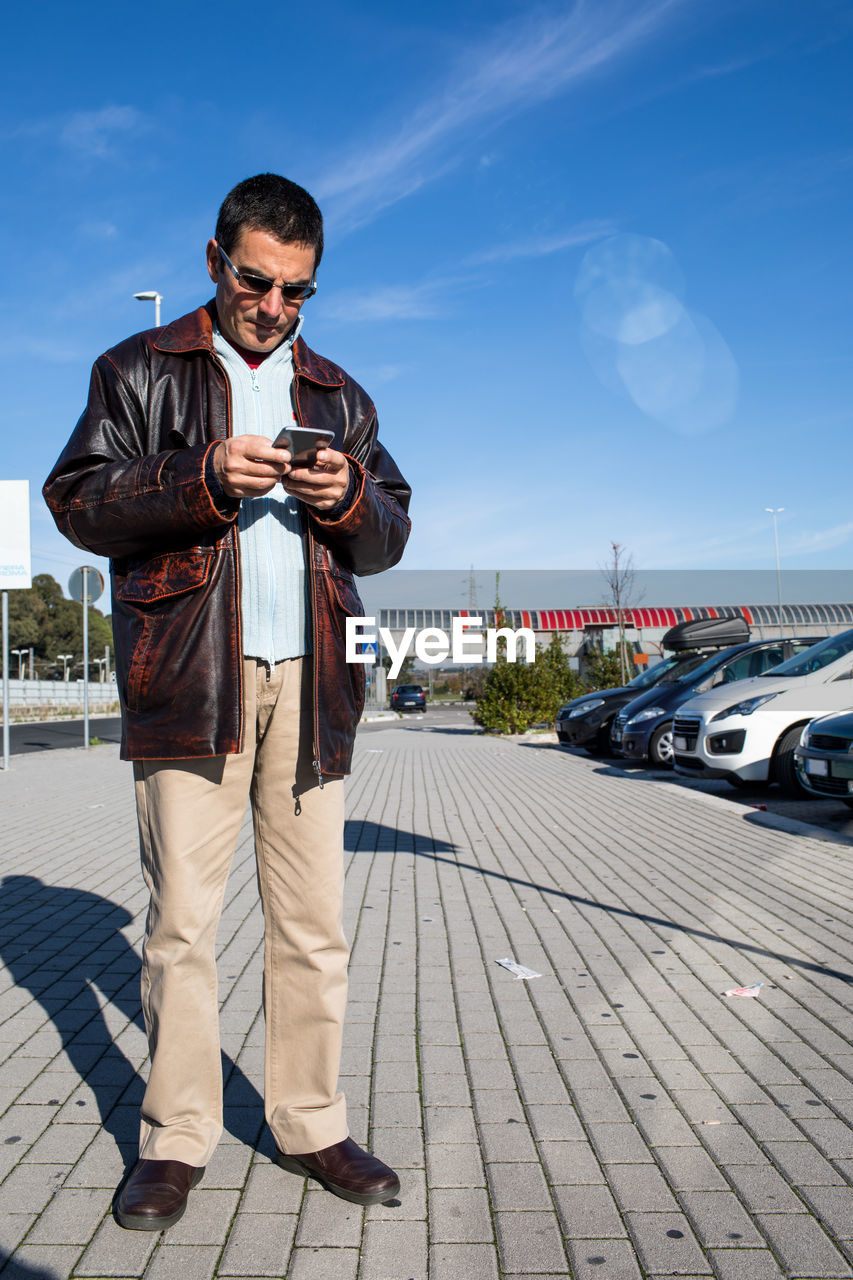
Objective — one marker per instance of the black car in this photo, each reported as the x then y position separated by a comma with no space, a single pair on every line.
643,729
408,697
586,721
824,758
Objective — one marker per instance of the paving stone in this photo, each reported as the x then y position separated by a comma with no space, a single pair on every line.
746,1264
328,1220
458,1261
259,1245
802,1247
115,1252
518,1186
187,1262
640,1188
71,1217
588,1211
833,1207
529,1243
42,1262
29,1187
394,1249
208,1217
460,1216
763,1190
323,1264
718,1218
802,1164
666,1244
603,1260
454,1164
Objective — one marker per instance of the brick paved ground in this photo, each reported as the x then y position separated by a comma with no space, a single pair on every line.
614,1118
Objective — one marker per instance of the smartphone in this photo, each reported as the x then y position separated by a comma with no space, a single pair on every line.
303,443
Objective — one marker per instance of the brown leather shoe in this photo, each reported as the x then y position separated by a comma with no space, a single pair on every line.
155,1195
346,1171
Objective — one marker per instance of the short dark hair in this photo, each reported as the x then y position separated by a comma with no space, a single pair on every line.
271,203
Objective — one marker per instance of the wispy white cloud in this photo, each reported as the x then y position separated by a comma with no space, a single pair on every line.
528,61
94,229
389,302
95,133
542,246
92,135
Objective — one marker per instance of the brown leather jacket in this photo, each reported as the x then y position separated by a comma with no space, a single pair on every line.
130,484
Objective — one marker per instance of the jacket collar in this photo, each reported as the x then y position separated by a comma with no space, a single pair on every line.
194,332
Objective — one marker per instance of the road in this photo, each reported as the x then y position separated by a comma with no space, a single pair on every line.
831,815
48,735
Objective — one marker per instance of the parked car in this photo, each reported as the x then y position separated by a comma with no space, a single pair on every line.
408,697
643,729
586,721
824,757
749,733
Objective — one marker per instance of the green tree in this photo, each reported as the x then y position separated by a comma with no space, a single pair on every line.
41,618
517,695
603,670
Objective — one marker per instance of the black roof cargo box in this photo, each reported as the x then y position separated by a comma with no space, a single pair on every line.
707,633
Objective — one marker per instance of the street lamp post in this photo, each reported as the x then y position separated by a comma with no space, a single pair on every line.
774,511
64,658
151,295
19,654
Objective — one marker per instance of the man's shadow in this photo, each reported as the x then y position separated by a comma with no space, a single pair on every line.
65,946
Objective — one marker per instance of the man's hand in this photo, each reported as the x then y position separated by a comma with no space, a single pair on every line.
248,466
323,485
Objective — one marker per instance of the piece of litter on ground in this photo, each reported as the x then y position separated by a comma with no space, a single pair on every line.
373,751
94,806
758,806
520,970
745,991
426,919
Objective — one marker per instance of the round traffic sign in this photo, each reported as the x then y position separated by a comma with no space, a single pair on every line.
94,584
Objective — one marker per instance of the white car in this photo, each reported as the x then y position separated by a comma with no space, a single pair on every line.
747,731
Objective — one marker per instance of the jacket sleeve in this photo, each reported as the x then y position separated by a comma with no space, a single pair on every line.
115,491
371,534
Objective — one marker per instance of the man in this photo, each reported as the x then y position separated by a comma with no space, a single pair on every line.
232,576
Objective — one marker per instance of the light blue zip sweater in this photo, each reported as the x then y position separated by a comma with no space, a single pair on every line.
274,594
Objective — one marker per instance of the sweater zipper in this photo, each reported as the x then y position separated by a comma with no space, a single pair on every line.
265,524
312,576
232,534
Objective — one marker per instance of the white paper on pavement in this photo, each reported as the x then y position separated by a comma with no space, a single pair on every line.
520,970
745,991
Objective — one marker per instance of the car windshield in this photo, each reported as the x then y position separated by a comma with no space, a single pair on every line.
408,688
816,657
698,674
660,672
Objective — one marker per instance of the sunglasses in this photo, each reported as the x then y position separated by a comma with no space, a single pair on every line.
260,285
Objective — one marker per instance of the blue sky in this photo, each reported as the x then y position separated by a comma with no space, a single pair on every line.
592,261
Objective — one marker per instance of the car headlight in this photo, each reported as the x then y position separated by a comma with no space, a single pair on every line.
744,708
649,713
583,708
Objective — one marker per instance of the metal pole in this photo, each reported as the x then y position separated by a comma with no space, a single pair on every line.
778,572
85,656
774,511
157,302
5,679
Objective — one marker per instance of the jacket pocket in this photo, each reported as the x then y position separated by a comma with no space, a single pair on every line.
165,576
154,621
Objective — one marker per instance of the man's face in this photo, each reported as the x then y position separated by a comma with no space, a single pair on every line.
258,322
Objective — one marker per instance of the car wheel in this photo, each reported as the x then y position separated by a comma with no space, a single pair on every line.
660,746
784,769
848,800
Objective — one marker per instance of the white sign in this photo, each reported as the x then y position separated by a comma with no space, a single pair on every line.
15,567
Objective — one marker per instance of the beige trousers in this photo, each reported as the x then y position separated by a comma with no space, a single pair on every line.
190,813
